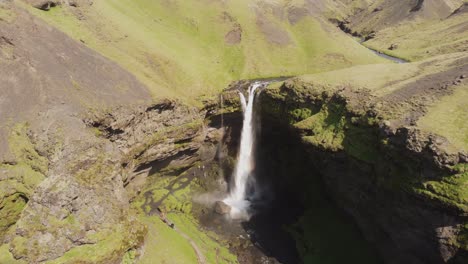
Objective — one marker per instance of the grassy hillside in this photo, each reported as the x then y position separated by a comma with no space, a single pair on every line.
421,39
449,118
190,48
416,29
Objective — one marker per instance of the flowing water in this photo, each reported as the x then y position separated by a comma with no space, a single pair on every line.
237,198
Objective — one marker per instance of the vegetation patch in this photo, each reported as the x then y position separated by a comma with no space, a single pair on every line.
11,208
448,118
6,257
24,151
172,195
447,36
110,244
22,177
451,189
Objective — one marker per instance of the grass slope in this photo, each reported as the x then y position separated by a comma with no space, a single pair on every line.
418,29
421,39
449,118
178,48
167,245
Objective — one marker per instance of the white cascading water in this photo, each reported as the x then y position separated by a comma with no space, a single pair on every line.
245,164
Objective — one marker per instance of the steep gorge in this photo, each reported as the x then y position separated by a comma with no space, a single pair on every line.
377,175
367,160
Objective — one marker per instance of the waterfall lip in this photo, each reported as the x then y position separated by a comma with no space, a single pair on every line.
237,198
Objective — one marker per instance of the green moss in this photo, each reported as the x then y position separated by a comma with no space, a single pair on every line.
362,143
324,129
10,211
129,257
95,172
6,257
24,150
111,245
462,238
452,189
19,245
300,113
22,177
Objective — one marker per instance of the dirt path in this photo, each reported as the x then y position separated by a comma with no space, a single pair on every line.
200,256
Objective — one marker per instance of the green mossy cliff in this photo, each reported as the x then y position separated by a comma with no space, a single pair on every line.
406,191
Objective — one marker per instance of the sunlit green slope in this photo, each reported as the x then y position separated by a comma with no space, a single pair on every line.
189,48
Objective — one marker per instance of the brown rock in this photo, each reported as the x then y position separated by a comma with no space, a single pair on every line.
393,47
222,208
44,4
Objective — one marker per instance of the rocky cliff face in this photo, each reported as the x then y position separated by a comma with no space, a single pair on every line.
78,198
61,187
401,184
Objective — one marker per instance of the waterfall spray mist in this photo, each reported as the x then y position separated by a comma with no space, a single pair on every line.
237,198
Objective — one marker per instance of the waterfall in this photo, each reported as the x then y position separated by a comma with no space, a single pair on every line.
245,165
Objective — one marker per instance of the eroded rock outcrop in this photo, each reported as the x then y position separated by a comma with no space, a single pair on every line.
153,137
48,4
62,192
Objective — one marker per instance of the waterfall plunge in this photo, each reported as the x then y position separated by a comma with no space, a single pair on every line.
245,165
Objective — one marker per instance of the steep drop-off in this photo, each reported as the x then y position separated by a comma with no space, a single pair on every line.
404,186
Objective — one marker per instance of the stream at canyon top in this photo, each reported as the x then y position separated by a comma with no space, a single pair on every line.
243,177
379,53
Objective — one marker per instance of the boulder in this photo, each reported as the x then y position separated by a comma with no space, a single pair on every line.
393,47
371,35
44,4
222,208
